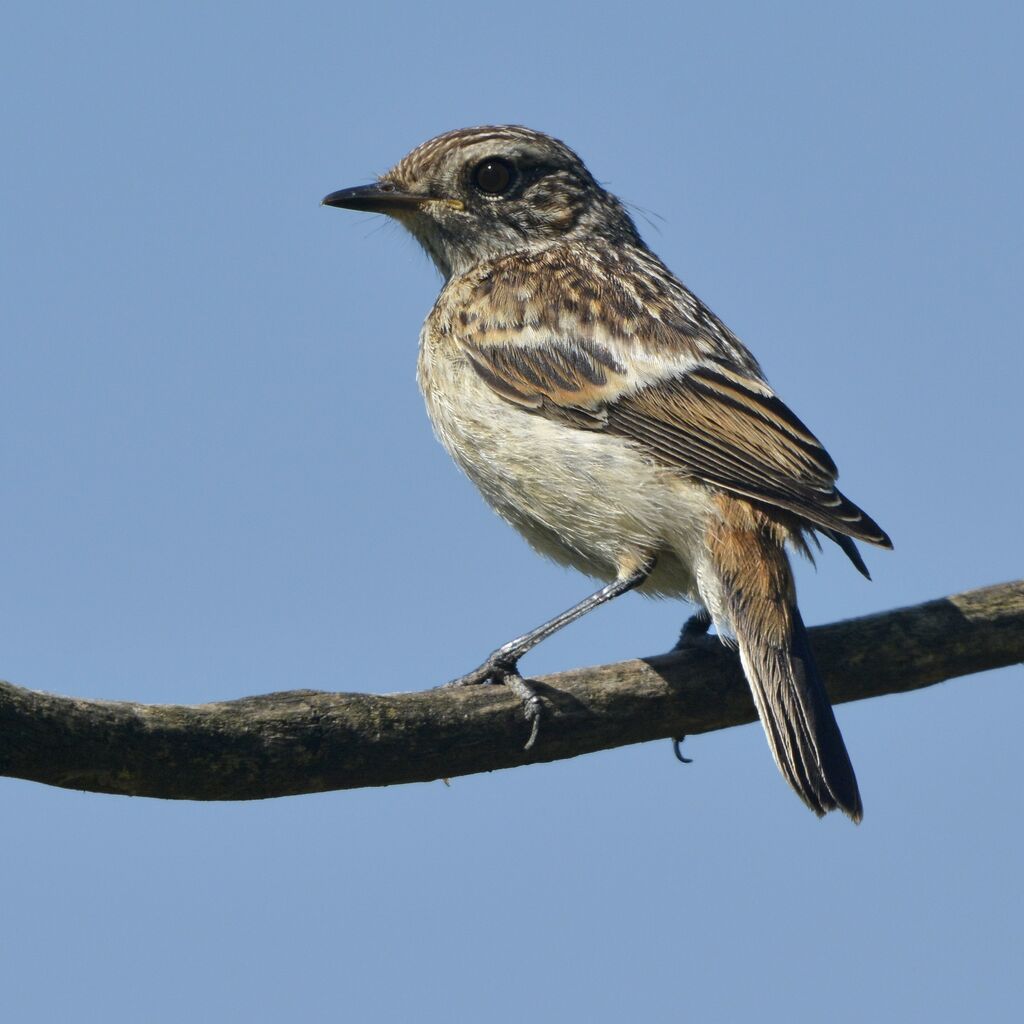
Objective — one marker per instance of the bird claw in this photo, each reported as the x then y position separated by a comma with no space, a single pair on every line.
478,677
501,669
496,669
677,749
530,699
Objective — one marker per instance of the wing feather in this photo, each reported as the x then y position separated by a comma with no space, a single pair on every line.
710,422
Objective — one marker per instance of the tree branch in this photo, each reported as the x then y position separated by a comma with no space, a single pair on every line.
305,741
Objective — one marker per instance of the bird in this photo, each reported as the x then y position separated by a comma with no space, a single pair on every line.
614,420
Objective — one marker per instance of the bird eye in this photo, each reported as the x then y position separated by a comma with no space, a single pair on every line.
493,176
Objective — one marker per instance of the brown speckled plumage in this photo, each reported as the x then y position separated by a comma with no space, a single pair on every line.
615,421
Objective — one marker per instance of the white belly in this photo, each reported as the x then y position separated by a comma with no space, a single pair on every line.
582,497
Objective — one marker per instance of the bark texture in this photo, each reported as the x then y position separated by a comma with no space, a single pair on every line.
306,741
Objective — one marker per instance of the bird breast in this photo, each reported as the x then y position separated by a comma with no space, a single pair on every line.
584,498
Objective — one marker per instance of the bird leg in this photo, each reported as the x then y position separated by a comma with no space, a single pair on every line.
502,665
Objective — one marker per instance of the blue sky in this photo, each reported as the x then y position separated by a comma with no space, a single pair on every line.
219,480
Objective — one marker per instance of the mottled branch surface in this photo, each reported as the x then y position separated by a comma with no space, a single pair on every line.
305,741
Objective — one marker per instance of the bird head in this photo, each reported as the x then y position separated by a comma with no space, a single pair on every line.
477,194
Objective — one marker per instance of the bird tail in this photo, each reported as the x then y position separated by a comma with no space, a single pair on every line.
755,596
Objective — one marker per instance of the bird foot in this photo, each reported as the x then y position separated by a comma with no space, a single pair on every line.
694,631
499,668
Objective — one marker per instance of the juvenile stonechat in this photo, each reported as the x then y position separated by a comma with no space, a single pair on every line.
607,414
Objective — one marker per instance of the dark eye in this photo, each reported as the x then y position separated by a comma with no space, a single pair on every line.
493,176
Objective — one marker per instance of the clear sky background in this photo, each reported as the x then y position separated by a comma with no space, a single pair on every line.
219,480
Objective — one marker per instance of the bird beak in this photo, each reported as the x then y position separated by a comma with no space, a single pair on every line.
380,197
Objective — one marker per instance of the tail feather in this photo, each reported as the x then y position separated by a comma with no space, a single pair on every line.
749,590
798,720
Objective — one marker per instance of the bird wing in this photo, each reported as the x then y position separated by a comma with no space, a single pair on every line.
699,415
